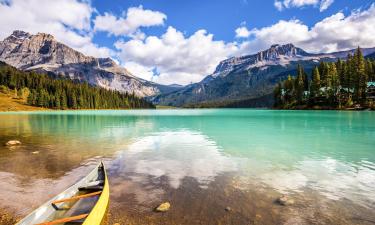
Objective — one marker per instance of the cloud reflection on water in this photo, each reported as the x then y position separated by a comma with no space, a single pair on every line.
177,155
329,177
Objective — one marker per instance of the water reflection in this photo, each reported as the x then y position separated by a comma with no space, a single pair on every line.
176,155
330,177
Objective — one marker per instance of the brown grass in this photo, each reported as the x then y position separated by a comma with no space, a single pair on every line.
9,103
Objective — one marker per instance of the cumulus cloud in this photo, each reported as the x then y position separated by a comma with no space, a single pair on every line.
174,57
141,71
67,20
130,22
278,5
335,33
323,4
242,32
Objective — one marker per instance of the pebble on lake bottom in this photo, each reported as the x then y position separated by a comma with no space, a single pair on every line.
284,201
163,207
13,142
228,209
36,152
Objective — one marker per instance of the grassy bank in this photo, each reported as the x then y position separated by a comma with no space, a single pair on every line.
9,103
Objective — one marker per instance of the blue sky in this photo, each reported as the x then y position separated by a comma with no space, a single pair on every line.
222,17
169,41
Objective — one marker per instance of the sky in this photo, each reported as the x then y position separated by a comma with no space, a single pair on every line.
180,42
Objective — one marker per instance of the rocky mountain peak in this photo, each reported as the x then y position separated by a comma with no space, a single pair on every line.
276,51
43,53
20,34
45,37
24,50
275,54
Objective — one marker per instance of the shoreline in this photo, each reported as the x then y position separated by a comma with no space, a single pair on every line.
9,104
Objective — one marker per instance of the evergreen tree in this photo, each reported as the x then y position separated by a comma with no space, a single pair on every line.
370,70
315,84
288,88
277,93
299,85
343,82
333,84
360,75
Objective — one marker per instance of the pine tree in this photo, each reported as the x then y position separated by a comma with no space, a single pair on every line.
333,83
288,88
360,76
315,84
278,95
369,70
299,85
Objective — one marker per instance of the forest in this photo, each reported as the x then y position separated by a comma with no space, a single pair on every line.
44,91
331,85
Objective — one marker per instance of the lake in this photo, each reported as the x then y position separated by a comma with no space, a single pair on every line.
201,161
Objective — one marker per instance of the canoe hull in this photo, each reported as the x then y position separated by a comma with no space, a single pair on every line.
99,211
46,211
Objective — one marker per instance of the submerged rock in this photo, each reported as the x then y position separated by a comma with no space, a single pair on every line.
228,209
13,142
284,200
36,152
163,207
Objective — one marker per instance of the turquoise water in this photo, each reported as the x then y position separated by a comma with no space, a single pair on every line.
328,153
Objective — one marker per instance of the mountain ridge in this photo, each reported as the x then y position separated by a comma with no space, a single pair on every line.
240,79
43,53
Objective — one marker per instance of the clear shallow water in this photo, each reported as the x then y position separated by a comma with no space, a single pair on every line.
155,155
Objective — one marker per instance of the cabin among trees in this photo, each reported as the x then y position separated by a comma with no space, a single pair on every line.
371,92
334,85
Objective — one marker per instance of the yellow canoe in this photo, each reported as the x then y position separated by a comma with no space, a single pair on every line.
86,203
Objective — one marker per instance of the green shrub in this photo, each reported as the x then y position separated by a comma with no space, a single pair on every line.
4,89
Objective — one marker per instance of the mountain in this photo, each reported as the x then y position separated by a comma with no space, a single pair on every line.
248,81
43,53
370,56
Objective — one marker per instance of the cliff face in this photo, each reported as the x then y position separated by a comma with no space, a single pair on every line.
43,53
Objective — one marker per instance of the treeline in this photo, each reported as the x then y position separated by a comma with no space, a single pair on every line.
340,84
44,91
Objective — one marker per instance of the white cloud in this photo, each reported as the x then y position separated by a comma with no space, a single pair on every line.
176,58
242,32
129,24
335,33
139,70
293,31
67,20
323,4
278,5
